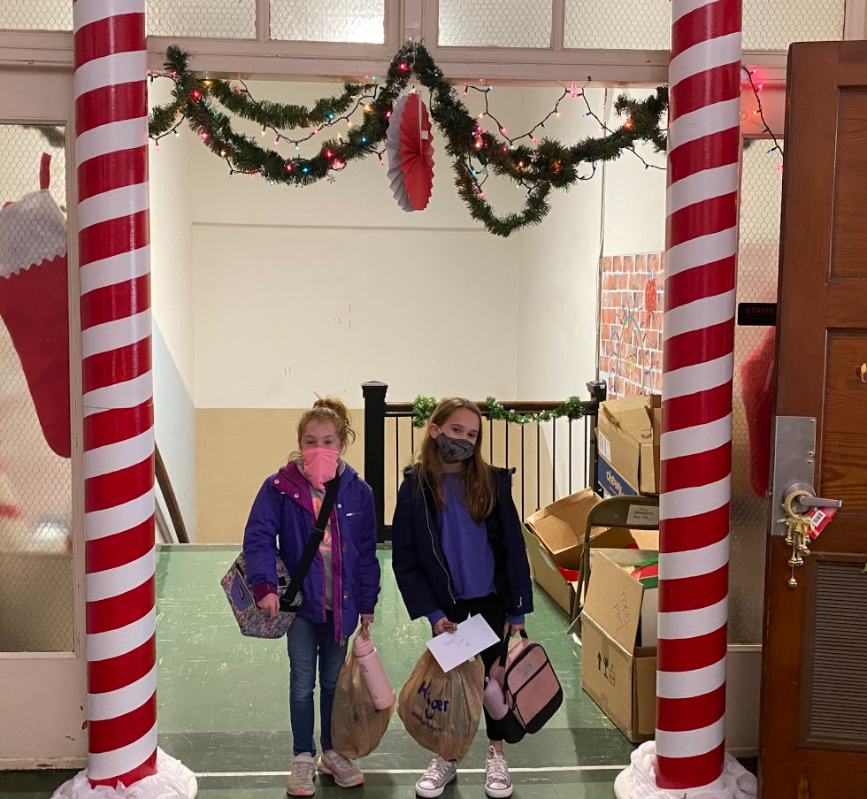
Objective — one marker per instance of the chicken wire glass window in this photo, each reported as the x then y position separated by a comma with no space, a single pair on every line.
35,441
36,15
351,21
758,264
206,19
495,23
646,24
221,19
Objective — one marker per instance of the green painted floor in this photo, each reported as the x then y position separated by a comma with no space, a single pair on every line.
223,701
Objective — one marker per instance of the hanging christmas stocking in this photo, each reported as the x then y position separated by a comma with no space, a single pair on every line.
757,385
34,297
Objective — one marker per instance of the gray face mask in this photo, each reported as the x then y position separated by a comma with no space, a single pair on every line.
454,450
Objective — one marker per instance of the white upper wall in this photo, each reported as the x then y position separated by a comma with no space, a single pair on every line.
171,193
322,288
634,198
559,266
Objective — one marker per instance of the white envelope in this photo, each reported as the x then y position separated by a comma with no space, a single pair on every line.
473,636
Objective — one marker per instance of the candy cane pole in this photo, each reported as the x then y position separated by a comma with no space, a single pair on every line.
688,756
111,120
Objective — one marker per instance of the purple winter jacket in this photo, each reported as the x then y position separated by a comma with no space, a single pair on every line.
281,521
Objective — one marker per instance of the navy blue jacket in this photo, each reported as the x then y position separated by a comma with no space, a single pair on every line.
281,521
417,558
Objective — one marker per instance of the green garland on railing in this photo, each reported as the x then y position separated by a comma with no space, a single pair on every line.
573,408
539,169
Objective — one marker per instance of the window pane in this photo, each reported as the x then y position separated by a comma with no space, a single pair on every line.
645,24
222,19
361,21
758,264
36,569
39,15
495,23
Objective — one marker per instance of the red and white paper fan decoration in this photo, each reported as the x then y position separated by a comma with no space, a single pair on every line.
410,153
34,304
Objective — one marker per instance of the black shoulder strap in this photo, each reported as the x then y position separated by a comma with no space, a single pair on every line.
504,652
287,601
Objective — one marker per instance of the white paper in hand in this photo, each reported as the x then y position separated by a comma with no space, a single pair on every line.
473,636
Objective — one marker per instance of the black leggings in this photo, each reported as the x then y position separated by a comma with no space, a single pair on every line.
492,609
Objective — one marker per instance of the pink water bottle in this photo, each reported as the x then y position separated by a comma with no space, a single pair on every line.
373,673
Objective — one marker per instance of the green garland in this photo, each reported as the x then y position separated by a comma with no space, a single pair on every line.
573,408
540,169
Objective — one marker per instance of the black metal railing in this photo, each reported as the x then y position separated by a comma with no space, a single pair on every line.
564,445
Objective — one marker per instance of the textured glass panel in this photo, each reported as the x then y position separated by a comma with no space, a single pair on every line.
361,21
645,24
223,19
495,23
36,570
207,19
38,15
628,24
761,196
770,25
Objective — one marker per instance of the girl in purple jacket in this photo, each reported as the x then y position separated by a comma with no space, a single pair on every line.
342,584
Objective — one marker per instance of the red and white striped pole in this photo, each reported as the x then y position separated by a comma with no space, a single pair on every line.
111,120
111,127
698,328
688,756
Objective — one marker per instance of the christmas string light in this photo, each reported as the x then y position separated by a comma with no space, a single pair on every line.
545,166
760,113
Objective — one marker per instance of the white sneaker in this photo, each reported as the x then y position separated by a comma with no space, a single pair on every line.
302,776
439,774
346,774
498,783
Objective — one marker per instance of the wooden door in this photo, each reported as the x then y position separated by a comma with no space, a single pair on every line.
814,705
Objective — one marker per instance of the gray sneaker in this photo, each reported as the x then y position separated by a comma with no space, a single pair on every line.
498,783
302,776
346,774
439,774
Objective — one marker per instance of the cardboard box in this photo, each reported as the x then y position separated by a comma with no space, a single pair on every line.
628,433
555,539
617,673
627,558
547,575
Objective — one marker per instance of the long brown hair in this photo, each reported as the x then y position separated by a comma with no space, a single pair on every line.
476,474
327,410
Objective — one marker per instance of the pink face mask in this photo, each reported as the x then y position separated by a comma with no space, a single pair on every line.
320,465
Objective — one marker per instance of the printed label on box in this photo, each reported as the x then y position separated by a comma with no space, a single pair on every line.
604,447
612,483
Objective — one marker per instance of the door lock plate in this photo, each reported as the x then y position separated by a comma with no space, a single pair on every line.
794,461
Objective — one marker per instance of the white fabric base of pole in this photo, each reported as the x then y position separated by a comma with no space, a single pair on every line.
173,780
639,780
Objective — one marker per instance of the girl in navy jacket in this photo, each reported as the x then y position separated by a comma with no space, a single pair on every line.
458,550
343,581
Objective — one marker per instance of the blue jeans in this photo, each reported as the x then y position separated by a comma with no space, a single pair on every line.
306,640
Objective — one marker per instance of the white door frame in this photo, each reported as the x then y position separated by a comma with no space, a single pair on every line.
44,694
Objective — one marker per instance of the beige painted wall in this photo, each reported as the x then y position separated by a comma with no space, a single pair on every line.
236,449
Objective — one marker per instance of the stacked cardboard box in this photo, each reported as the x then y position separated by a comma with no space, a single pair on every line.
629,432
555,540
619,640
